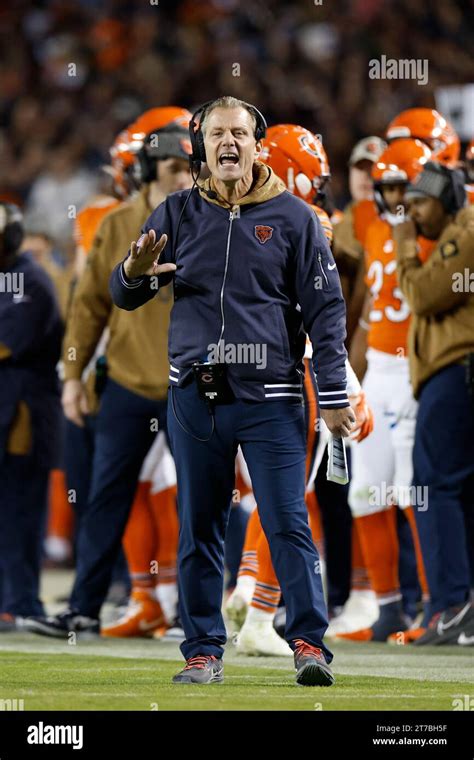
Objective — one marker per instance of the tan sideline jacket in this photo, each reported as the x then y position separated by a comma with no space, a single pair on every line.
442,326
137,350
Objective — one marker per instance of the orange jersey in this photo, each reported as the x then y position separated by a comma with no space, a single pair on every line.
89,218
363,214
389,316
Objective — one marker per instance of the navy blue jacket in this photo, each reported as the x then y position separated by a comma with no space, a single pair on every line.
263,275
31,328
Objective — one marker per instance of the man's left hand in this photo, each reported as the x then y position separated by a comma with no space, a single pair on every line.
339,421
404,231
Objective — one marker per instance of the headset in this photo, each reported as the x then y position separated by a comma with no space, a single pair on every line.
144,167
198,155
11,227
443,183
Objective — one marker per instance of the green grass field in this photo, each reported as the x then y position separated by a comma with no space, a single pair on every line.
135,675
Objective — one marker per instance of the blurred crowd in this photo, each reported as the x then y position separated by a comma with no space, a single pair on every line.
73,73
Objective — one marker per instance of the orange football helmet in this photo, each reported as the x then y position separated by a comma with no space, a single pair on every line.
155,119
121,162
399,163
428,125
297,156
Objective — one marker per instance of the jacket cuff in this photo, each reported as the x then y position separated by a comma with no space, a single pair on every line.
72,371
131,284
333,396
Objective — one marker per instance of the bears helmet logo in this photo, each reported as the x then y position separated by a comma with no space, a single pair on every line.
263,233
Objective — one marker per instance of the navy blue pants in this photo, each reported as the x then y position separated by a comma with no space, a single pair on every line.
444,463
273,440
23,503
124,433
78,459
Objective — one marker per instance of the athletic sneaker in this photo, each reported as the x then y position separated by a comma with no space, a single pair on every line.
60,626
360,611
173,632
239,600
311,666
142,616
448,626
259,638
390,620
202,668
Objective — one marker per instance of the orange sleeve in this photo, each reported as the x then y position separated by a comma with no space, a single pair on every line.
87,223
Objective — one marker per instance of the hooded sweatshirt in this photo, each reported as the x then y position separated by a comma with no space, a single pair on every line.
251,279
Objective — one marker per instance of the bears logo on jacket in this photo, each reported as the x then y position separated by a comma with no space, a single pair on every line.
263,233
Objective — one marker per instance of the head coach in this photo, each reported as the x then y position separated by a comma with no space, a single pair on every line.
252,273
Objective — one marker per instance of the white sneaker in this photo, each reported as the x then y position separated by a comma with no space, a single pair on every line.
260,639
360,611
238,602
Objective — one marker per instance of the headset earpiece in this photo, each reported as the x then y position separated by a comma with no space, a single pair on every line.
145,167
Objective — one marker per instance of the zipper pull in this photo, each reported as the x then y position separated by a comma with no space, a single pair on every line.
322,268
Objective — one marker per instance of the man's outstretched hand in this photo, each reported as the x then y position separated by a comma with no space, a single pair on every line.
144,256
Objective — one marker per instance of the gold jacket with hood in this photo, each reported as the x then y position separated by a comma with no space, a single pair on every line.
442,324
137,354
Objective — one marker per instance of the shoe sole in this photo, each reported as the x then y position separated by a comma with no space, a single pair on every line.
219,678
444,640
44,631
314,675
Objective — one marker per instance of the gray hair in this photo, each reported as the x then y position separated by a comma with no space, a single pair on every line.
228,101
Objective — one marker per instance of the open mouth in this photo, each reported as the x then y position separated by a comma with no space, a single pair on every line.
228,158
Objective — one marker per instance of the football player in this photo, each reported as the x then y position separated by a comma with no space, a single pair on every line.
382,464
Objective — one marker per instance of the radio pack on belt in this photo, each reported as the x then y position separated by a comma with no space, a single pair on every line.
212,382
101,372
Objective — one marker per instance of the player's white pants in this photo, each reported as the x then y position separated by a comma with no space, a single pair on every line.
382,468
158,467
